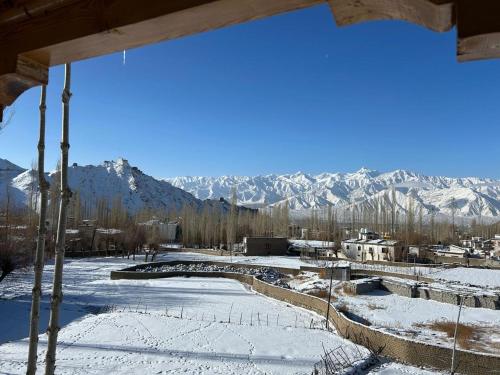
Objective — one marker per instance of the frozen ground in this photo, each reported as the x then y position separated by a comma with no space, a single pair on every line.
162,326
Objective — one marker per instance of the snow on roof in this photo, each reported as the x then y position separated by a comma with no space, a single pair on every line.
312,243
372,242
108,231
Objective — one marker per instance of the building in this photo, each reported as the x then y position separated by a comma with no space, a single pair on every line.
477,244
161,231
265,245
453,251
369,246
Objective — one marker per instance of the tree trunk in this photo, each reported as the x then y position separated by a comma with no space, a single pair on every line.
53,329
40,245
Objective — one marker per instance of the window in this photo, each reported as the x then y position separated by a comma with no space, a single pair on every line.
347,247
370,250
385,250
359,248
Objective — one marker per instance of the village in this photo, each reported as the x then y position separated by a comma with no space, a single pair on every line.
305,203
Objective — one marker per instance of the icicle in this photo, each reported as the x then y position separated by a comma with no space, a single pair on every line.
124,57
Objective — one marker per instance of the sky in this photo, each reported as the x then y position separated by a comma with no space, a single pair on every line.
284,94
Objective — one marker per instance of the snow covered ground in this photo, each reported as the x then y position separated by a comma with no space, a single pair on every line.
166,326
486,278
271,261
413,317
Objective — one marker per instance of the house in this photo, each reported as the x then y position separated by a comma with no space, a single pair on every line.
477,243
311,248
265,245
453,251
369,246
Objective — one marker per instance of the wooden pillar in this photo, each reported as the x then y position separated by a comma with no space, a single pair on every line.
478,28
40,246
53,329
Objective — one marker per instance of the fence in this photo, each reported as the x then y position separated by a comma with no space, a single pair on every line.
399,348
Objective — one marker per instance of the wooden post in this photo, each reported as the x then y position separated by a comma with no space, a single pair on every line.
53,329
455,336
329,298
40,245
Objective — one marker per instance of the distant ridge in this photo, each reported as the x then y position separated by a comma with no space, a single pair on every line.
364,189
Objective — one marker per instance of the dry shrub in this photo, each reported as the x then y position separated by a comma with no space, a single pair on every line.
342,307
373,306
466,334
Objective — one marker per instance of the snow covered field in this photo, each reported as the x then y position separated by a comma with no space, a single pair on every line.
413,317
168,326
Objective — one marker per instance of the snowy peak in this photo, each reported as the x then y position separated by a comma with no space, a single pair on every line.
363,189
108,182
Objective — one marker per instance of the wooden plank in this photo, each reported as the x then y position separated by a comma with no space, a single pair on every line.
478,27
22,75
81,29
436,15
90,28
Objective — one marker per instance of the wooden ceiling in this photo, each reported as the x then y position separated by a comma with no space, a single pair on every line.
37,34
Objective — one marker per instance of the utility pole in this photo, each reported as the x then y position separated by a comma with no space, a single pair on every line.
455,335
329,299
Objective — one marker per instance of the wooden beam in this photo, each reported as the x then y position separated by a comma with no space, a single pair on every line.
436,15
80,29
89,28
478,28
19,75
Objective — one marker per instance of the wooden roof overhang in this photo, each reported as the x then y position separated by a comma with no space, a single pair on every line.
37,34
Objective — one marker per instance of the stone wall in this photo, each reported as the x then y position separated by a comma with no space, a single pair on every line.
398,348
405,288
362,286
364,273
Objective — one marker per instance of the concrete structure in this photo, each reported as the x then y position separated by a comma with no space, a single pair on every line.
265,245
369,246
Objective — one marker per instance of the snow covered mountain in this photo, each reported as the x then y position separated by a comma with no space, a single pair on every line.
107,181
364,189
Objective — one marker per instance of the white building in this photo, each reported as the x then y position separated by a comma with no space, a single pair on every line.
369,246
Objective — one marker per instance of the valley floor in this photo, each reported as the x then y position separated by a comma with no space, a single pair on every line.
169,326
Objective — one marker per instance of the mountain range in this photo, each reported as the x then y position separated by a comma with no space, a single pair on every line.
364,189
106,181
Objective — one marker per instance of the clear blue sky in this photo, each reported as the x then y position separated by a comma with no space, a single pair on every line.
288,93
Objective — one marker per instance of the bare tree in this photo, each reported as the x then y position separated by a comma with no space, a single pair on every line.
40,245
53,329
